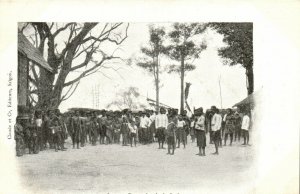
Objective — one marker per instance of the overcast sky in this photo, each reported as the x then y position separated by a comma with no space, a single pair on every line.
204,91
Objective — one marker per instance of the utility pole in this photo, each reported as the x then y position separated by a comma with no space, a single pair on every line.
220,91
93,94
97,96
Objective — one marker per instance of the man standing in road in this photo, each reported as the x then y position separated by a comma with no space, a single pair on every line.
229,126
144,123
200,131
216,124
245,128
161,123
76,125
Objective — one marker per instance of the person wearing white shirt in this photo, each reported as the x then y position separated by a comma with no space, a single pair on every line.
161,123
216,124
133,131
144,123
152,117
38,124
200,131
245,128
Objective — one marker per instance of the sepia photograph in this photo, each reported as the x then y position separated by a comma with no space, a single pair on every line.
149,98
112,107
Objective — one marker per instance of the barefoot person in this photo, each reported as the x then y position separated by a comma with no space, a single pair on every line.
229,126
200,131
125,131
161,123
76,130
216,123
133,131
170,134
245,128
180,132
143,130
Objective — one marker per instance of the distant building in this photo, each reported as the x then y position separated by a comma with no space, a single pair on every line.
152,103
251,101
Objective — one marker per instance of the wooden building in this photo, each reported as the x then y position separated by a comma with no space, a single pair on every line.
27,54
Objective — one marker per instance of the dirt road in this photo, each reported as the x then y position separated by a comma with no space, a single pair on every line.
142,169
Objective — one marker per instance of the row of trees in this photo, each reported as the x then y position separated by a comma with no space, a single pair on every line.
182,44
81,49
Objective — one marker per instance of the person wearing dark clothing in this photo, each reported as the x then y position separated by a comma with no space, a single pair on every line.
19,137
125,131
229,126
200,131
94,130
76,129
170,134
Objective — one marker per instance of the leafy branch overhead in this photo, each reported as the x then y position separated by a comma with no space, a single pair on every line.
239,49
184,43
184,46
176,68
239,39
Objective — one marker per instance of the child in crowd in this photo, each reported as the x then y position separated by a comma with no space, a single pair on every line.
133,131
170,134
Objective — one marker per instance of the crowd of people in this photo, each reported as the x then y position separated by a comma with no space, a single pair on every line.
50,129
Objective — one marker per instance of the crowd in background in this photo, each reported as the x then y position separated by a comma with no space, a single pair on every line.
50,129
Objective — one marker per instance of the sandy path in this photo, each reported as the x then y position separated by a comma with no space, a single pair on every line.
141,169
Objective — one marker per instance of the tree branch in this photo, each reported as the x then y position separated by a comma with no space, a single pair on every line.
83,74
36,77
62,29
23,28
88,58
32,80
102,34
66,98
52,24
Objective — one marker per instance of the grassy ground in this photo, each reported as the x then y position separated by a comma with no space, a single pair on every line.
142,169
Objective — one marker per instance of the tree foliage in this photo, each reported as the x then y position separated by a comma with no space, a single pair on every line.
151,53
239,49
183,47
128,98
183,42
239,38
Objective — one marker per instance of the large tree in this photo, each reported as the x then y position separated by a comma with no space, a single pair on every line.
152,53
70,48
184,47
239,49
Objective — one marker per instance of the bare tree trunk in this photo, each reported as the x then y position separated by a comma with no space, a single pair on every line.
45,89
250,79
157,85
50,95
182,85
